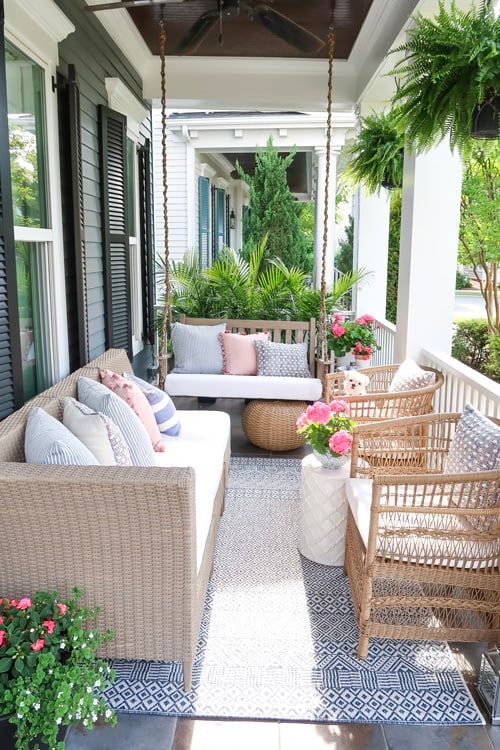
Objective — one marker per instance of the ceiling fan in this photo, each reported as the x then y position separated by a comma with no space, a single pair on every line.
274,21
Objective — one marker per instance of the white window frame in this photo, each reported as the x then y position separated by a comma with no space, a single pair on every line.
121,99
36,30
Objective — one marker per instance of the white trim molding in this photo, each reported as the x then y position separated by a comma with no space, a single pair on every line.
38,27
121,99
48,17
207,171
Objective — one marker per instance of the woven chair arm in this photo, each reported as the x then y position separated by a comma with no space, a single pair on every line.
430,480
402,423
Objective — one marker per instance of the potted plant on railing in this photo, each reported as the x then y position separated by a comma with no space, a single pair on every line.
327,428
448,81
49,674
350,339
377,154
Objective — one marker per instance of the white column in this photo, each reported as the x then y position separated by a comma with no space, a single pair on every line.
191,200
428,251
319,215
371,248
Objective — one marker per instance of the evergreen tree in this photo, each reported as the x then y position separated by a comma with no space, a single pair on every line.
273,209
344,256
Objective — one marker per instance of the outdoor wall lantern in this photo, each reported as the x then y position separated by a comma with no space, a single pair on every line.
232,219
489,683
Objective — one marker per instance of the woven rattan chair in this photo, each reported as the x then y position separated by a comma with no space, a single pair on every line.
378,404
422,547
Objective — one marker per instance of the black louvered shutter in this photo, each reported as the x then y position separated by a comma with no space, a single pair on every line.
70,144
113,136
146,236
11,382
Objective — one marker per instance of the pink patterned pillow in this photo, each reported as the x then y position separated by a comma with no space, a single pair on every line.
238,351
135,398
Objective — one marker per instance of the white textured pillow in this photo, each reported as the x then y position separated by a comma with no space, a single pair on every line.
411,377
197,349
98,432
101,399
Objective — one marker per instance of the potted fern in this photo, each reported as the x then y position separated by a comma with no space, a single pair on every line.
449,77
378,153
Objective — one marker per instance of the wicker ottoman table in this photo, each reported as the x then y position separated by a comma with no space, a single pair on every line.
271,424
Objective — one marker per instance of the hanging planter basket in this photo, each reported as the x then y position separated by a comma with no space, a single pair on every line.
485,118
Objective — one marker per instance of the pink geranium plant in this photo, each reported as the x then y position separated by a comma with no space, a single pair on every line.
50,676
327,427
357,335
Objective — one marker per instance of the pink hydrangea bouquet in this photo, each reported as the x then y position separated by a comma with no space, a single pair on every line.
357,335
328,429
50,676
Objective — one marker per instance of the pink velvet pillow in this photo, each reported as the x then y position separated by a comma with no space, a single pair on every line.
135,398
238,351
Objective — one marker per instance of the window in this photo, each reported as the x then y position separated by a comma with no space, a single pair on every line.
27,141
25,101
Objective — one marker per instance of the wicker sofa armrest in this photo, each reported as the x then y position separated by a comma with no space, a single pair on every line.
124,535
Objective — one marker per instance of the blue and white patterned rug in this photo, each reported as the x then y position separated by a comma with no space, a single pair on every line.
279,636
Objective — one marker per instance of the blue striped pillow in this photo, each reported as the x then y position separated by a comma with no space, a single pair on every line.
162,405
101,399
48,441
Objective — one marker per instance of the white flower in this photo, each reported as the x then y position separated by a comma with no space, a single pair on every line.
62,645
58,721
108,713
19,716
28,692
94,717
36,706
91,635
89,690
95,702
50,671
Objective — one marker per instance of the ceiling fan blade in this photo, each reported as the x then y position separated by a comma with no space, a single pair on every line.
198,32
130,4
296,35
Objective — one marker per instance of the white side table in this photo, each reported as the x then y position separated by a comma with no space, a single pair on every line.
323,512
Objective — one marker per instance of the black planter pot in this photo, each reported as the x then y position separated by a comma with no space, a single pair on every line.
8,736
485,118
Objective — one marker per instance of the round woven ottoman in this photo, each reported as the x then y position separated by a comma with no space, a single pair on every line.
271,424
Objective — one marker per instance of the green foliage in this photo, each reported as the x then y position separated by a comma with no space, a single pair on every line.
393,257
344,256
273,209
449,64
24,177
378,153
470,342
462,281
480,223
49,673
492,367
306,222
235,287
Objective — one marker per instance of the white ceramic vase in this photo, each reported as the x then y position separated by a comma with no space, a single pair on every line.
344,361
332,462
362,362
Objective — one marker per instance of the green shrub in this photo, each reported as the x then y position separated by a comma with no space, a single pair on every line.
492,367
393,257
470,342
344,256
462,281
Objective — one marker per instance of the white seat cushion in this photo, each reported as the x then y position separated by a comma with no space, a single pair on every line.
244,386
424,549
202,444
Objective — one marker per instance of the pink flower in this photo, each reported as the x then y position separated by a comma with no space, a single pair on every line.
12,602
62,608
318,412
38,645
49,625
340,442
1,620
301,421
2,637
365,320
338,317
338,330
338,407
23,603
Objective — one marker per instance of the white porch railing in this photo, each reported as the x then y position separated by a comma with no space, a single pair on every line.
463,385
386,334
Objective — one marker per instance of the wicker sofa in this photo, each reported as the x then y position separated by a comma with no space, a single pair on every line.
253,386
138,541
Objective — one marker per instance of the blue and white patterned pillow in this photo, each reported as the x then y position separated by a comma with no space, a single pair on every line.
101,399
282,360
475,445
162,405
48,441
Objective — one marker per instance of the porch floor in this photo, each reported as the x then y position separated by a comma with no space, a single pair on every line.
159,733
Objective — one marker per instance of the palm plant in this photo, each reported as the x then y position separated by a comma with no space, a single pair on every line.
378,153
449,73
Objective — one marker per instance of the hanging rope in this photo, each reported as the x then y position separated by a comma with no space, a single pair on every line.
167,308
322,323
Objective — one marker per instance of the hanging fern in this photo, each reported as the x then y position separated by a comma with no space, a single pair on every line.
378,153
450,64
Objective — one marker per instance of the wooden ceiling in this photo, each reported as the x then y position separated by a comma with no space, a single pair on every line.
244,37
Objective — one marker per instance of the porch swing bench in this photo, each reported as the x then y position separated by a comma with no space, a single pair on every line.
264,387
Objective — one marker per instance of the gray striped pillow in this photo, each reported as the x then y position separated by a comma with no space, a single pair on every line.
197,349
101,399
48,441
